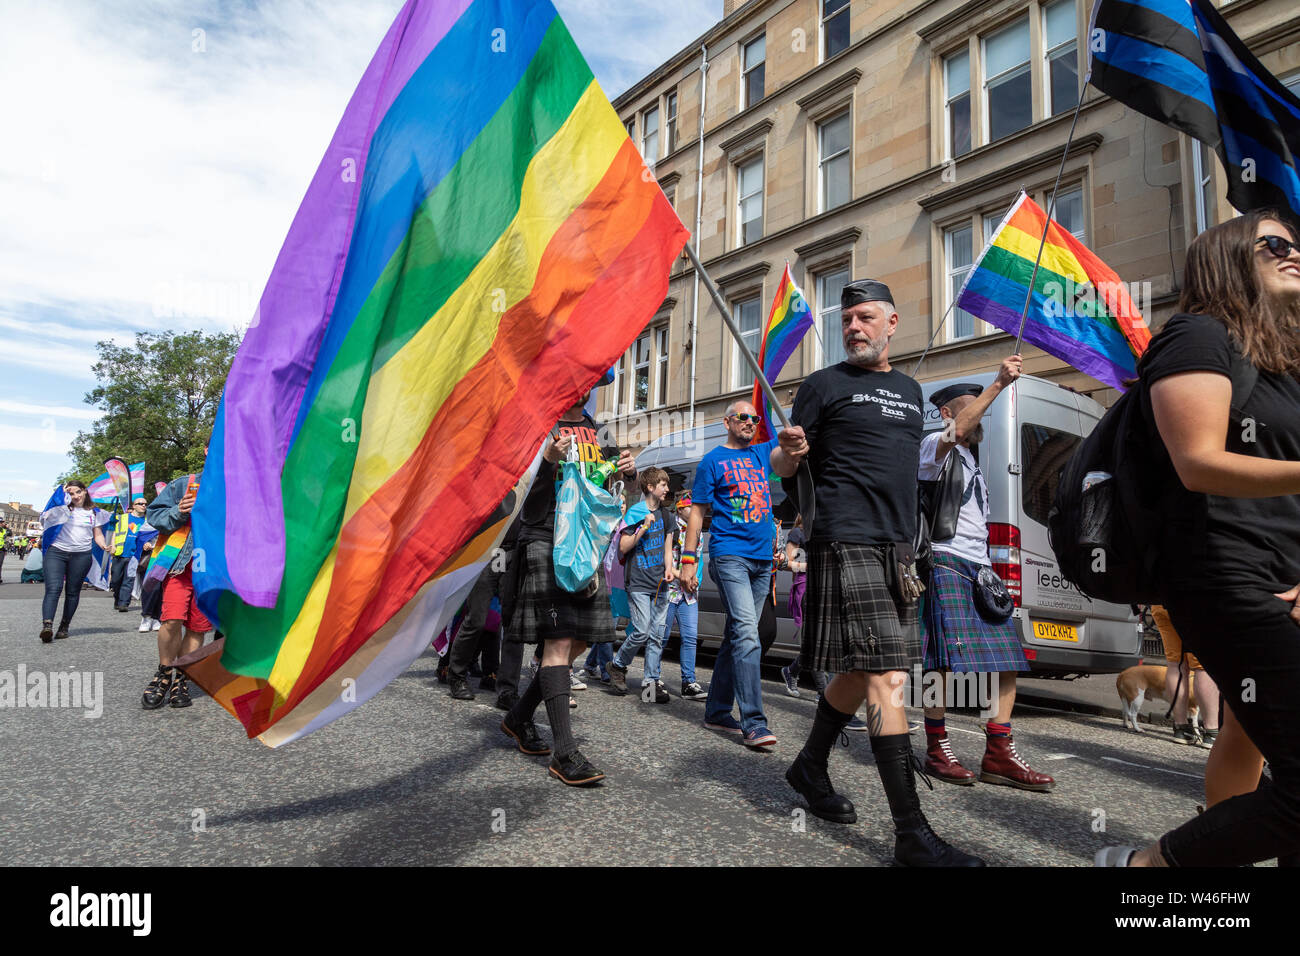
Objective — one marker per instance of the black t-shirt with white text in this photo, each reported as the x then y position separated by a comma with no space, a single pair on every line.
537,520
1218,541
864,435
645,563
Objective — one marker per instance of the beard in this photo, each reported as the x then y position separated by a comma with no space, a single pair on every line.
976,435
858,352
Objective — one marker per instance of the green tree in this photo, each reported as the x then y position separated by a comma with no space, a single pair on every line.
160,398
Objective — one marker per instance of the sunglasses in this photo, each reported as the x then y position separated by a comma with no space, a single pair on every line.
746,418
1278,247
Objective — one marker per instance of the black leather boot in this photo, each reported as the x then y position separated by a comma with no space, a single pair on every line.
915,844
813,782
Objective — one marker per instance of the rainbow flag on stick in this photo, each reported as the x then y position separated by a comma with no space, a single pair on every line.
787,323
479,244
1080,310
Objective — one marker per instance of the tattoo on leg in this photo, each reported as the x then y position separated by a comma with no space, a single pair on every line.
875,720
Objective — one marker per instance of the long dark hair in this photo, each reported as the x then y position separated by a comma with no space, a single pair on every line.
87,503
1221,281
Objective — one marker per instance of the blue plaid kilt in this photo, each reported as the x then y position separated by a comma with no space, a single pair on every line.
956,637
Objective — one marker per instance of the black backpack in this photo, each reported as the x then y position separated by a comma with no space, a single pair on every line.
1107,537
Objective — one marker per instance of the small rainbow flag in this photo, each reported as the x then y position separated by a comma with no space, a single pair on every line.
787,323
1080,311
478,246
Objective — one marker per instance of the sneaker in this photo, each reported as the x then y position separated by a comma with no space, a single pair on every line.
655,693
574,770
727,724
155,695
458,688
575,683
1208,737
590,673
617,679
1186,734
759,738
526,737
791,683
156,625
506,700
180,695
1113,856
693,691
144,625
855,724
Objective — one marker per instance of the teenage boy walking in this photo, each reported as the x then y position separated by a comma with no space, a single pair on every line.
646,545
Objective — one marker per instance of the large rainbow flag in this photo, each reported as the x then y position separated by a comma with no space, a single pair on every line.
479,244
787,323
1080,311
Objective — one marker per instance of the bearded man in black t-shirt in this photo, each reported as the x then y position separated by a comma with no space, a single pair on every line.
862,420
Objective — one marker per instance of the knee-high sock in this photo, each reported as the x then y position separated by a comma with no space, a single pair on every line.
827,725
527,702
554,681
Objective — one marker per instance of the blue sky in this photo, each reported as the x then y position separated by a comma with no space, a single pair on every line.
151,172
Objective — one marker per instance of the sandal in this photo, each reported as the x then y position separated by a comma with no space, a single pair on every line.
155,695
180,696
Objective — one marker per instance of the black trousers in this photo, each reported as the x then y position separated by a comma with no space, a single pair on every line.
472,638
118,585
1251,647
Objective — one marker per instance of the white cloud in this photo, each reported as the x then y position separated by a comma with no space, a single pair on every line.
84,413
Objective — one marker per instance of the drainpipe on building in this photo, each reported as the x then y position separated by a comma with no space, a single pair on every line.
699,212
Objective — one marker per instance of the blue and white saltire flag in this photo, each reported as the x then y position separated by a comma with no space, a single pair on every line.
1179,62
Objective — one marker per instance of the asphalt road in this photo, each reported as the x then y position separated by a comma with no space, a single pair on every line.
413,777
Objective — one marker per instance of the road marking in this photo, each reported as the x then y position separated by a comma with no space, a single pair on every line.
1062,757
1194,776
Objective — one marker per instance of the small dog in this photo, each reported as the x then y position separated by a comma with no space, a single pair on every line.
1148,680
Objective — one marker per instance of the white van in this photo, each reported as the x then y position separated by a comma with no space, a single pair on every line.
1030,432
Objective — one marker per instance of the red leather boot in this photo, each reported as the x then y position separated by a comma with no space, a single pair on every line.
1003,765
941,762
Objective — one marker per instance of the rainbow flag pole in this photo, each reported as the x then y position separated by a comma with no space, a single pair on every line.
787,323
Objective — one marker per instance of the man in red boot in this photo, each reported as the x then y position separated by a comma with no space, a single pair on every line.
958,638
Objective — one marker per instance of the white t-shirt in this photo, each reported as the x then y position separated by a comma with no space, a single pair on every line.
78,532
972,538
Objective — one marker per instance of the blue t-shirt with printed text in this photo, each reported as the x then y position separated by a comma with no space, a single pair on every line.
733,481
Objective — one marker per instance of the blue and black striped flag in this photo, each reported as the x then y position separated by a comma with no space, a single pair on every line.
1178,62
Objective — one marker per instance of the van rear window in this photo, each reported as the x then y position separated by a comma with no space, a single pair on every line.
1043,453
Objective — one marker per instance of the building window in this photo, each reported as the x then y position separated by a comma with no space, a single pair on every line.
641,373
834,162
616,393
956,79
670,120
748,315
829,329
835,27
749,192
1069,213
753,60
661,365
650,135
671,195
958,258
1008,86
1060,37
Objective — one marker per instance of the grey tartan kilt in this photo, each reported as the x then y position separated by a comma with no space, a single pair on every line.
545,611
852,621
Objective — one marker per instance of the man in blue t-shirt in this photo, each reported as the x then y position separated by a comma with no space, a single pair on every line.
732,479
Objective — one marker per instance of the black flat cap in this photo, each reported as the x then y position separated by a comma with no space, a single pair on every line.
948,393
865,290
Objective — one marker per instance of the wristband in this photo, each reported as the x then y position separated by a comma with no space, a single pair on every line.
686,560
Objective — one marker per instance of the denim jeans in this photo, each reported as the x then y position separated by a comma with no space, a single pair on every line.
66,571
688,622
648,613
743,586
599,656
119,583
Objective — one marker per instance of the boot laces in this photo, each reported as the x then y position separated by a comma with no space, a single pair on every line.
946,746
918,765
1018,760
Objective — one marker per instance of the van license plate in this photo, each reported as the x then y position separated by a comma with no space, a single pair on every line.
1051,631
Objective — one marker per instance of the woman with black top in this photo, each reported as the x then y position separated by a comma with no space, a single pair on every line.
1230,554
